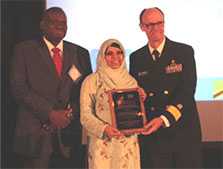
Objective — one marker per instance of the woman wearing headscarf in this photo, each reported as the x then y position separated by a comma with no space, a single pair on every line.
108,147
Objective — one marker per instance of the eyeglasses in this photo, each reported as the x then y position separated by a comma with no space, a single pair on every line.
152,25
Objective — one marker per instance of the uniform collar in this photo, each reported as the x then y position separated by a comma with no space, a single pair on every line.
160,47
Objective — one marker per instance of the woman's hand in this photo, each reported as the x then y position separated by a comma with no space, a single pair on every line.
113,132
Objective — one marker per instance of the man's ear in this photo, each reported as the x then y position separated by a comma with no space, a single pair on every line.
141,27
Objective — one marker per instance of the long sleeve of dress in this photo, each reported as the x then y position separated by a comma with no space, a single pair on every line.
89,119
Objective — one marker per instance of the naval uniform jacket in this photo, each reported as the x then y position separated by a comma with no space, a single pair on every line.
38,89
170,85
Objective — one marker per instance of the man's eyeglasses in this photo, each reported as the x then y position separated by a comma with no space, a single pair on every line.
152,25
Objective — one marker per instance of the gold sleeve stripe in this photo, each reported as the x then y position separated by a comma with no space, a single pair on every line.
174,112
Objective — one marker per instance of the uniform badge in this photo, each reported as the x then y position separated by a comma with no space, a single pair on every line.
173,67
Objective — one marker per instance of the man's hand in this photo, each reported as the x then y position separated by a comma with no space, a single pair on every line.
113,132
60,118
153,126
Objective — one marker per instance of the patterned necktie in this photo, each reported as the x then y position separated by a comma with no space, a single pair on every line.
156,54
57,60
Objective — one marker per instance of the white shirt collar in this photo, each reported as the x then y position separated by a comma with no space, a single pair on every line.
159,49
50,46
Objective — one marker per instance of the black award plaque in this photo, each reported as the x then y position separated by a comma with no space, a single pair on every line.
128,112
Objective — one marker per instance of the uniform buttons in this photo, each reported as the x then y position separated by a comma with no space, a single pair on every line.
151,94
152,108
166,92
180,106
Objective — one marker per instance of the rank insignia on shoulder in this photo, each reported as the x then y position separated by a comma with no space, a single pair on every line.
142,73
173,67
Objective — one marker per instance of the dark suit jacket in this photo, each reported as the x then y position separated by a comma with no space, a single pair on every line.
170,84
38,89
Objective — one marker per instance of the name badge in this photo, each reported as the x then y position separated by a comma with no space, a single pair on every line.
173,67
74,73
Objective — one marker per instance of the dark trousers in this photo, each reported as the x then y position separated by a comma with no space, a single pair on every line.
29,160
32,162
76,160
70,138
158,152
48,159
